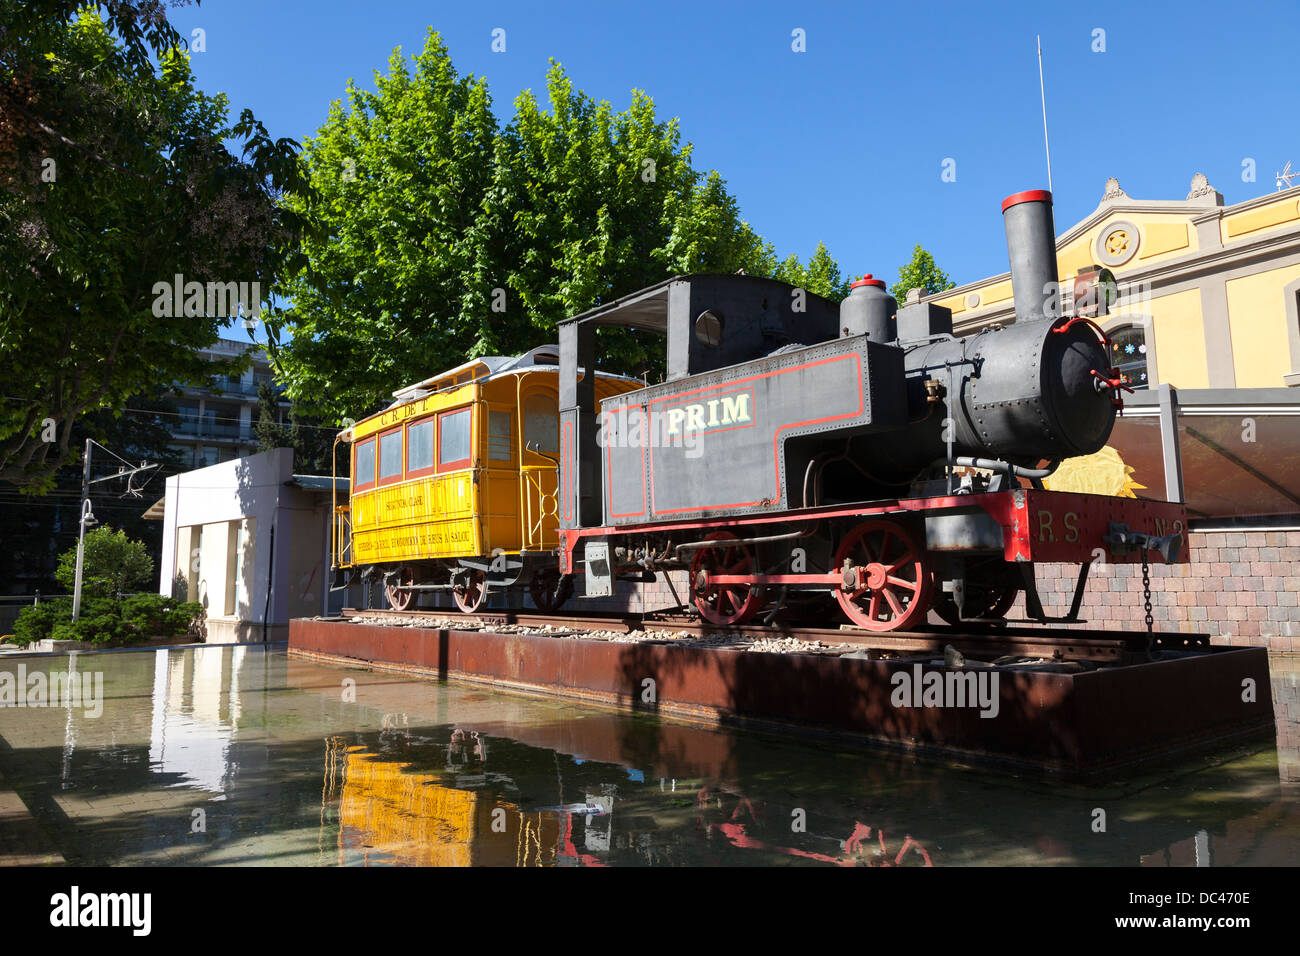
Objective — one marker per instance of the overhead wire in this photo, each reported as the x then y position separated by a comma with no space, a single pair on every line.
204,418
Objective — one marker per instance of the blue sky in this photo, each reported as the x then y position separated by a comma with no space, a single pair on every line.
845,142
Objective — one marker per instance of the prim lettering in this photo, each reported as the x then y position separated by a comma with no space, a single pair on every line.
713,413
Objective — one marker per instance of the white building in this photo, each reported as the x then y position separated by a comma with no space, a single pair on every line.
240,530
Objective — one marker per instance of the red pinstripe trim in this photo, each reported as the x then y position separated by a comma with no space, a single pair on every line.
776,438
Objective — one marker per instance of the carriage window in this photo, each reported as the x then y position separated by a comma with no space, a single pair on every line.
542,423
499,436
453,439
363,473
390,455
419,446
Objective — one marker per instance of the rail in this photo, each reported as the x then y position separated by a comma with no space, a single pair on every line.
1035,642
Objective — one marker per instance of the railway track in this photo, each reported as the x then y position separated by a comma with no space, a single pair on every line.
1032,642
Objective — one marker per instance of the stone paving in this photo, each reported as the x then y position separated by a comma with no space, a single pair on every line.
22,843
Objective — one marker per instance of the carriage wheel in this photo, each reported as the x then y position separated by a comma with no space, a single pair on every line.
549,590
469,597
891,586
728,603
986,602
400,600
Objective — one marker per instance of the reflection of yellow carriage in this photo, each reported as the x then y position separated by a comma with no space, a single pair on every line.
453,485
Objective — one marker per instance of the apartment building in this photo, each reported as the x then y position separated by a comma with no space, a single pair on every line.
216,424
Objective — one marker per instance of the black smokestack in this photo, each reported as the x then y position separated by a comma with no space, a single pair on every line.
1031,248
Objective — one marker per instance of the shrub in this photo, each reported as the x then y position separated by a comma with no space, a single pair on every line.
108,621
113,563
36,622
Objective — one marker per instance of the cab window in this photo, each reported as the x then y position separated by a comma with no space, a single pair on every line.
453,440
363,469
419,448
390,456
498,436
542,424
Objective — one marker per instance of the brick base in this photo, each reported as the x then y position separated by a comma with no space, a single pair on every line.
1240,587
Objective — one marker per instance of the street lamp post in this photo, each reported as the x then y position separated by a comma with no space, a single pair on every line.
87,519
127,471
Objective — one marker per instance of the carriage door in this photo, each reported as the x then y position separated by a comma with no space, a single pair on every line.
539,474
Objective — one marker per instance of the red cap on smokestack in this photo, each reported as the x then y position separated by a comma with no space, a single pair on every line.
1029,195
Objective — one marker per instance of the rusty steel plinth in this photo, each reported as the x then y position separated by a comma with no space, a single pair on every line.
1058,723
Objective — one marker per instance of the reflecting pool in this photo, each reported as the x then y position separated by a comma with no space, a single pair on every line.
241,755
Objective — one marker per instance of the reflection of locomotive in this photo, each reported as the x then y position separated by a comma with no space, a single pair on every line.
798,449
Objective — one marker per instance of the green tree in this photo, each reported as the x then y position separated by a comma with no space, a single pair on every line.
921,273
113,563
821,275
312,442
438,234
605,203
116,179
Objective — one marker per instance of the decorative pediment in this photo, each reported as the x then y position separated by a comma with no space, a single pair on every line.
1201,189
1113,190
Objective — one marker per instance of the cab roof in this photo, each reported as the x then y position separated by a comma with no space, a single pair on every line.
488,367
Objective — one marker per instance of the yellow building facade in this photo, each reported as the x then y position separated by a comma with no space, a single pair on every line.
1209,294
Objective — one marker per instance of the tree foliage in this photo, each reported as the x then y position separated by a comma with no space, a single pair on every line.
116,179
437,233
921,273
312,443
821,275
112,564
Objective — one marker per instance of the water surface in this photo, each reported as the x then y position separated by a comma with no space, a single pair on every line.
240,755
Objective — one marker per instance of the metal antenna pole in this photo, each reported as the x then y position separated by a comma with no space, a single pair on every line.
81,537
1043,94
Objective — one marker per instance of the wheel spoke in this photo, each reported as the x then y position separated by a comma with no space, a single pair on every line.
903,583
893,602
907,557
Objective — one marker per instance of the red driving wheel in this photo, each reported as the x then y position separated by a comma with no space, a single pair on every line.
887,583
470,596
400,600
724,604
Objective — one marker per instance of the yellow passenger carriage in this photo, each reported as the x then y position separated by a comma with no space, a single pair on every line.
454,484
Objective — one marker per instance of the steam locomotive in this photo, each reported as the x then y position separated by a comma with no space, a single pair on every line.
801,451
